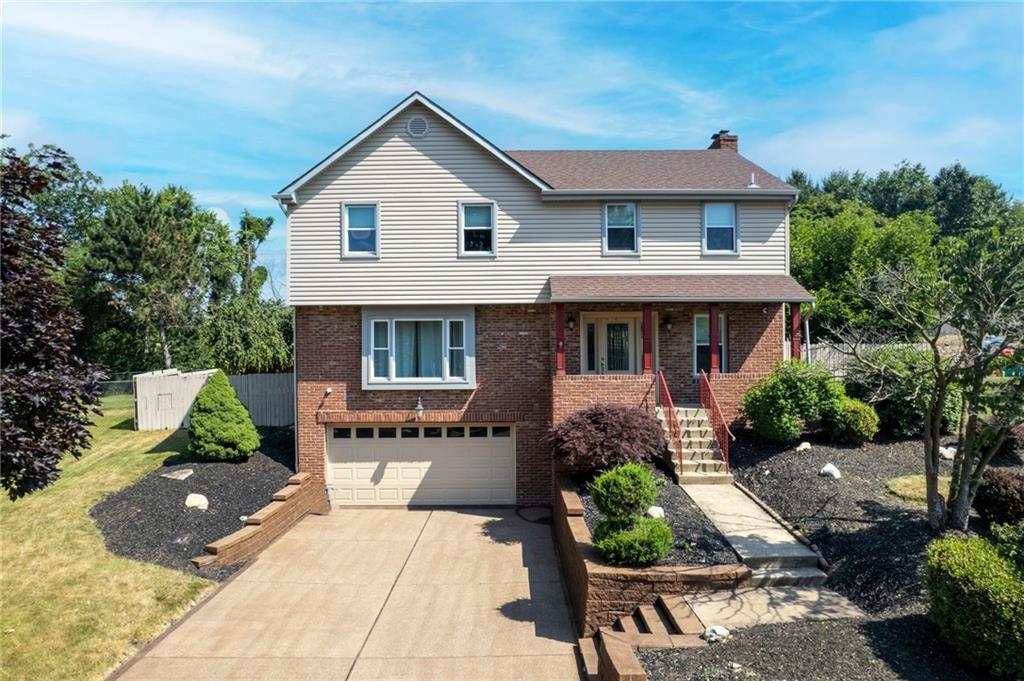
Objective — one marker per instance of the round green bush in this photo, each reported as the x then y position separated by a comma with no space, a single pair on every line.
219,427
851,421
624,491
976,599
795,393
635,543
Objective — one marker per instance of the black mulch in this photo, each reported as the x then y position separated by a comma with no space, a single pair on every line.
697,540
148,521
875,543
889,648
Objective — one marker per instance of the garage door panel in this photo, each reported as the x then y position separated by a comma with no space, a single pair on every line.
416,469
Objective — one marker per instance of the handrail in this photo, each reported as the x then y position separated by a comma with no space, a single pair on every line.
675,431
709,403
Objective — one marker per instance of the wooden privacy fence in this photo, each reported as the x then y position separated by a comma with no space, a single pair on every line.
163,399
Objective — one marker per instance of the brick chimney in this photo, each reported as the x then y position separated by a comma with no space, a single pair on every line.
723,140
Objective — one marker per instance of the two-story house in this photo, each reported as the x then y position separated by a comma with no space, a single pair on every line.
453,300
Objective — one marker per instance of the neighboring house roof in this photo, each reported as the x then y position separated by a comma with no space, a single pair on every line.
690,170
576,174
287,193
689,288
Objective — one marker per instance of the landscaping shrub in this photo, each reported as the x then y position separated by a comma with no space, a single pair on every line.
635,542
851,421
898,411
624,492
1000,497
220,427
779,406
1009,539
976,598
606,435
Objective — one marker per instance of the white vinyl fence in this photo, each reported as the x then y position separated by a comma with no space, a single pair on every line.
163,399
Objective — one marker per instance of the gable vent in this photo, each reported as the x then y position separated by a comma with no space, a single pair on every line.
417,126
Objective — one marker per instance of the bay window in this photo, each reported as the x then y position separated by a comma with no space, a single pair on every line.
418,348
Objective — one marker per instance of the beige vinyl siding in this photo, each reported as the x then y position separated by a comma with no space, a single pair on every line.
419,182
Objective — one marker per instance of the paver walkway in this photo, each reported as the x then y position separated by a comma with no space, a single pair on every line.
383,594
773,605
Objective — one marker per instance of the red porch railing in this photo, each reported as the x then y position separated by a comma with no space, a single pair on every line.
709,403
668,409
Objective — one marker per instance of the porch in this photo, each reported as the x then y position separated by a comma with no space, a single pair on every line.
613,334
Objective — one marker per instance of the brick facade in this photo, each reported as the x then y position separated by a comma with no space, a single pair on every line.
515,376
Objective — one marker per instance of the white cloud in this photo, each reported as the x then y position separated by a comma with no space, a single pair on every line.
250,200
22,126
159,31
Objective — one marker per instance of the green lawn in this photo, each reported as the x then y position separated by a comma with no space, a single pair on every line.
70,608
912,488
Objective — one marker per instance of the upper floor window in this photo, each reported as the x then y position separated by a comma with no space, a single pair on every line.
621,233
360,230
421,348
719,228
476,228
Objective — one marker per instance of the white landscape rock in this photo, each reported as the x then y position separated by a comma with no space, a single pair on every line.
179,474
655,512
715,633
947,453
830,471
197,501
803,446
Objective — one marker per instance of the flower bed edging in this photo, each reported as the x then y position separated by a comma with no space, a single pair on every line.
602,593
300,496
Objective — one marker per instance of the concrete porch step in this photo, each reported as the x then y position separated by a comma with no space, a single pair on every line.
686,478
787,576
701,466
707,454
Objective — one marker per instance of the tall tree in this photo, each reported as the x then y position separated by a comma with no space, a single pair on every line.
148,254
901,190
803,183
979,291
846,186
47,391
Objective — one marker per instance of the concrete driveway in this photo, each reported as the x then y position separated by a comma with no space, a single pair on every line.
383,594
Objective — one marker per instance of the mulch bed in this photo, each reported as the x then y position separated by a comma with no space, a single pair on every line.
875,543
148,521
697,540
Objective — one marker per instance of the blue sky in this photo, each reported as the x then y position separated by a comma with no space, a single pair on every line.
234,100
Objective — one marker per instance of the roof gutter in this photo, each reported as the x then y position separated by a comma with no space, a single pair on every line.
681,299
615,194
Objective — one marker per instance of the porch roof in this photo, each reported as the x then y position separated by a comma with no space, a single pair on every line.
679,288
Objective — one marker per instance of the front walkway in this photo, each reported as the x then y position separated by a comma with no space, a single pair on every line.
383,594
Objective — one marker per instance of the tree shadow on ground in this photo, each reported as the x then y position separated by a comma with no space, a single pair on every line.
911,646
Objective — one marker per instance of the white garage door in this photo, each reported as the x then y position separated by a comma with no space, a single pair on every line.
421,464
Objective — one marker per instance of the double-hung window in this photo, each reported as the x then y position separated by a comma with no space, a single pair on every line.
425,348
702,344
720,228
476,229
360,230
621,229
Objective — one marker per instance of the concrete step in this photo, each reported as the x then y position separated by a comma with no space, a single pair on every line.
794,556
588,654
705,478
707,454
701,466
787,576
690,412
697,442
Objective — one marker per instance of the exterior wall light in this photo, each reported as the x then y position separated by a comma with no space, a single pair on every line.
419,408
570,321
668,322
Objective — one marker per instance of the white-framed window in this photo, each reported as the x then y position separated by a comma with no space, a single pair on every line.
702,343
720,234
360,229
477,233
425,348
621,232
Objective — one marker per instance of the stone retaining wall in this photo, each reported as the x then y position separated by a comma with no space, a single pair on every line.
602,593
303,494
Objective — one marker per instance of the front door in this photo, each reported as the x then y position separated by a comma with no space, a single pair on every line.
610,345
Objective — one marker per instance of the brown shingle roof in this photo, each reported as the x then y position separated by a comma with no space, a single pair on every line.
760,288
714,169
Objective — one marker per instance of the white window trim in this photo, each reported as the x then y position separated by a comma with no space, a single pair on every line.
723,361
493,253
442,314
360,255
735,228
636,230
